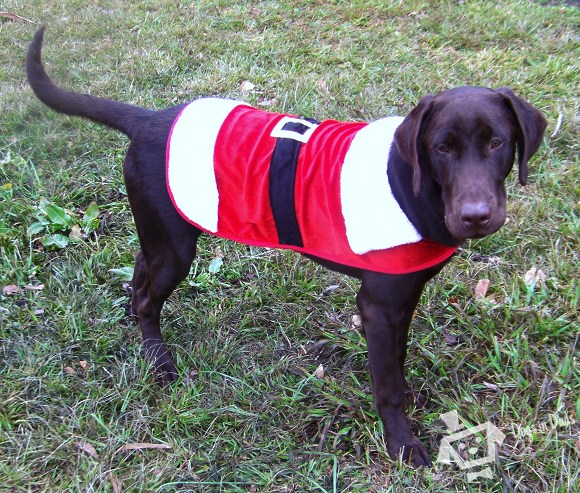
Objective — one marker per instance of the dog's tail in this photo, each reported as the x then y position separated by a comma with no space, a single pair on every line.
121,116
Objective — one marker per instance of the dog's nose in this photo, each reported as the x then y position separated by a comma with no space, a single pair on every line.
475,215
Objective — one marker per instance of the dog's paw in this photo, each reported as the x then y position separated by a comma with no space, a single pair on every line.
410,449
163,366
166,374
165,371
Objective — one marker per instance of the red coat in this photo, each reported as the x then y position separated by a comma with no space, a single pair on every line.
273,180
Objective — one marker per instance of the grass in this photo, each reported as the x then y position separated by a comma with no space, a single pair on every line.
78,407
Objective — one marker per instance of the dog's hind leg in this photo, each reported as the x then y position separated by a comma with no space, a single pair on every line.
158,271
168,246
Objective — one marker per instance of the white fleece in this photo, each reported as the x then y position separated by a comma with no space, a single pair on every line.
190,166
373,218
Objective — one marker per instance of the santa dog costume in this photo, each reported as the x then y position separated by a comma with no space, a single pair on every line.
274,180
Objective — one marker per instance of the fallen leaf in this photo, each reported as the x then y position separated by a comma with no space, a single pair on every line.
30,287
535,276
490,298
319,372
321,83
115,483
481,289
450,339
39,311
13,17
10,289
141,446
76,233
247,86
491,386
356,322
267,102
83,364
88,448
331,289
68,370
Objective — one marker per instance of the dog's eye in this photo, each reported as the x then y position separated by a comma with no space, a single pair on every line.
495,143
443,149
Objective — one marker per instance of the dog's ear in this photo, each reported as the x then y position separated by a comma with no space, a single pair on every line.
408,136
531,126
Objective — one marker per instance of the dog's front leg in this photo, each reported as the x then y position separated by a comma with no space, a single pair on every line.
386,303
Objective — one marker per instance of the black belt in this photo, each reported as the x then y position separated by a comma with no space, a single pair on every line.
282,179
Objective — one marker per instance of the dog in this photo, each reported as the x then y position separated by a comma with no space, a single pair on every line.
398,198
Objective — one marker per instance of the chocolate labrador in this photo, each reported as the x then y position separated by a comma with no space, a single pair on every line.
387,202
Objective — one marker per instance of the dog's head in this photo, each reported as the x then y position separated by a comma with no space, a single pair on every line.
465,139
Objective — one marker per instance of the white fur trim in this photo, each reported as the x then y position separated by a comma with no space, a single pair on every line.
373,218
190,162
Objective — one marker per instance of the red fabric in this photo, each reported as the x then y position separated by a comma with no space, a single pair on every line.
241,162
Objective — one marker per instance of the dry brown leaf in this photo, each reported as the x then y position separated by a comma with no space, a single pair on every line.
10,289
88,448
481,289
84,365
331,289
535,276
319,372
76,233
247,86
267,102
450,339
13,17
30,287
321,83
115,483
490,298
69,370
491,386
141,446
356,322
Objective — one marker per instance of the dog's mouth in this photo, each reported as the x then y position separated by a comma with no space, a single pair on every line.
474,234
469,236
461,232
477,236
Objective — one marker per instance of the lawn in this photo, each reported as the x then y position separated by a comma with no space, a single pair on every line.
253,410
